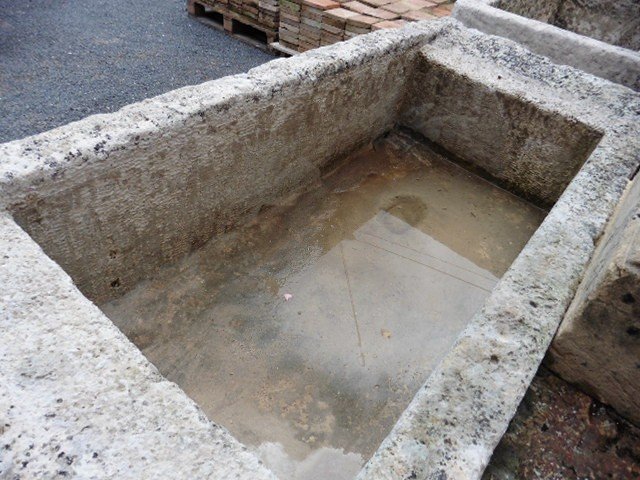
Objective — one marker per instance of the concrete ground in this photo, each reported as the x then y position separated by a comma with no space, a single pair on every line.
61,60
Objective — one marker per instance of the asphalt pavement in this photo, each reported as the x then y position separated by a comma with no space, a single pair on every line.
62,60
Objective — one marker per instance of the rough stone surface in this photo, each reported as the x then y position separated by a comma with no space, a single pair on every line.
616,22
185,158
560,433
77,399
620,65
459,415
531,151
598,344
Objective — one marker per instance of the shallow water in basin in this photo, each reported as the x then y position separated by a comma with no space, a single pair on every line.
308,332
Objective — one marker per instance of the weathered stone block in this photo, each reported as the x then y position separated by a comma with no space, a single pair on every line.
598,343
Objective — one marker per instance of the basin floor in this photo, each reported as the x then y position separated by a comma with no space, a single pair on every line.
307,332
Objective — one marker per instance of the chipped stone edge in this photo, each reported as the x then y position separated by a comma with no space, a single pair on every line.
607,61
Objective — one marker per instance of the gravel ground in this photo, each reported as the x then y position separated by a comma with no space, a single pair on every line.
61,60
559,433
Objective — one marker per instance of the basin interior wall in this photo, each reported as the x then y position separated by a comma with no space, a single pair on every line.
212,169
613,22
209,168
528,150
115,222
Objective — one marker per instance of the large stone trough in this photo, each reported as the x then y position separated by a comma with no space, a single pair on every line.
94,207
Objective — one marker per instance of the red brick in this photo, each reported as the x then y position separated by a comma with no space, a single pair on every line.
399,7
321,4
417,15
330,36
357,7
388,24
377,3
383,14
289,18
362,21
310,22
440,11
420,4
340,14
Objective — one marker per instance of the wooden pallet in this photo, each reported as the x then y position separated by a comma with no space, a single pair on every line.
286,51
231,19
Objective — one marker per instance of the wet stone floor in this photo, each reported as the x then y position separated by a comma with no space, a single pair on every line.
560,433
307,332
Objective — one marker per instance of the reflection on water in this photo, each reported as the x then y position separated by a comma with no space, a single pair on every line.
308,332
322,464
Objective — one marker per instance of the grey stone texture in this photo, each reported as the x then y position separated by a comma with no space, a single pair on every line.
187,157
546,28
78,400
616,22
458,417
112,197
598,343
531,151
